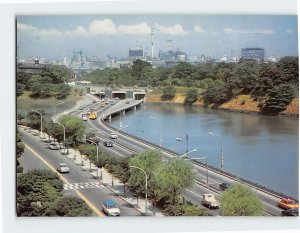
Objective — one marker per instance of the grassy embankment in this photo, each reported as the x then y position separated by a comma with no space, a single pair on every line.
24,101
241,103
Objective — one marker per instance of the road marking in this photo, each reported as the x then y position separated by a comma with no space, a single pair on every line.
91,205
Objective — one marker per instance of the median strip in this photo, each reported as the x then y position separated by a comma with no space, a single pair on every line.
91,205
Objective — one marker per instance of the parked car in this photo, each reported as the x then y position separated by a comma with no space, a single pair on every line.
63,168
53,146
224,186
108,143
81,108
290,212
287,203
110,208
113,136
94,101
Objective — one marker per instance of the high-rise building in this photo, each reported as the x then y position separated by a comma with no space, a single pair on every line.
253,53
136,53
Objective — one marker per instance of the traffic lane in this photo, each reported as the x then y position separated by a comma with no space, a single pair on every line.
195,198
78,175
125,208
29,162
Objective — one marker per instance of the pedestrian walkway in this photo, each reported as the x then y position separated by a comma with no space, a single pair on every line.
108,180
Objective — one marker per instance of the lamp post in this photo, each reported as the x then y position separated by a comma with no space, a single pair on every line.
146,185
185,155
64,135
56,107
41,120
222,156
97,155
160,138
204,157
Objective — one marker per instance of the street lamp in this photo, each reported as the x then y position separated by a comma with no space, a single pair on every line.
204,157
222,156
41,120
56,107
186,153
64,135
97,155
146,185
160,138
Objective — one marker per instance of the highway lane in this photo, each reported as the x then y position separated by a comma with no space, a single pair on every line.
77,175
215,179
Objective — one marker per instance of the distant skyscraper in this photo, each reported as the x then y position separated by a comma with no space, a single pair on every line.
253,53
136,53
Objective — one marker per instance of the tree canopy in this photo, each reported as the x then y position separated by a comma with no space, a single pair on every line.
239,200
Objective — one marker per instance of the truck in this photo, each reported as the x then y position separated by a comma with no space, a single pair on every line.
210,201
93,115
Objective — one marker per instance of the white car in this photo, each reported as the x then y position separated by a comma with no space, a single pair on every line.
63,168
53,146
113,136
84,118
110,208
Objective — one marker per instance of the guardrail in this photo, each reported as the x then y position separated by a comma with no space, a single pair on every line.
263,188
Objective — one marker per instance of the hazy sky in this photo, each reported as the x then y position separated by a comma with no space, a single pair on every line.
57,37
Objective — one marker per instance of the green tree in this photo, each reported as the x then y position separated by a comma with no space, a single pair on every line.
217,92
278,98
185,210
34,119
289,68
149,161
62,90
149,75
240,200
191,96
36,191
75,128
245,75
137,68
69,207
20,89
168,93
175,176
20,145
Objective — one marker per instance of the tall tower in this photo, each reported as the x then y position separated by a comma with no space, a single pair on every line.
152,42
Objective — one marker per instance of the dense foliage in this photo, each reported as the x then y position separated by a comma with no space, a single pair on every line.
51,82
39,193
240,200
169,92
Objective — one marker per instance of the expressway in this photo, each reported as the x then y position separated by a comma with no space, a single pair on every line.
37,155
127,145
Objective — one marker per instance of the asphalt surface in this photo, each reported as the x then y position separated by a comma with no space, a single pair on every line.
95,195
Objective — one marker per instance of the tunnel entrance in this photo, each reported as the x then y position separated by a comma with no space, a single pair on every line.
119,94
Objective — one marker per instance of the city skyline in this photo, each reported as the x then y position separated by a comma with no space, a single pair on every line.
57,37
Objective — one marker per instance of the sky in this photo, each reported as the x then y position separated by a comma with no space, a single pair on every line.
57,37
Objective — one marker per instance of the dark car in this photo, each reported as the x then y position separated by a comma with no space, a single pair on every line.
224,186
108,144
290,212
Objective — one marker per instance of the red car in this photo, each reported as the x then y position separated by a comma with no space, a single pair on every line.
287,203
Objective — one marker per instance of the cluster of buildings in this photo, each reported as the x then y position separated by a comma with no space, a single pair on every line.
166,58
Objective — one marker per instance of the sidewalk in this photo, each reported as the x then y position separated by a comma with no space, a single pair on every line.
112,183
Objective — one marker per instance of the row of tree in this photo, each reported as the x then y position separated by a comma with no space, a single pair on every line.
39,192
50,82
167,182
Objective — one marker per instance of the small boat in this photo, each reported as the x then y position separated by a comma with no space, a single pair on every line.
179,139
